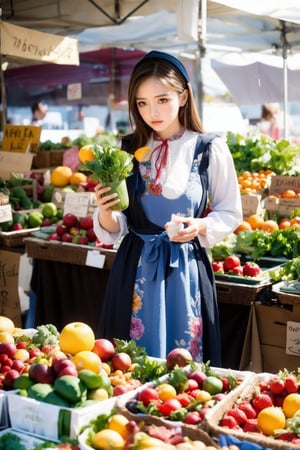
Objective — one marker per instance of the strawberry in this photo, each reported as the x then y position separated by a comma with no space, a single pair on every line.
229,422
251,426
287,436
278,398
248,409
226,384
291,384
238,414
262,401
276,385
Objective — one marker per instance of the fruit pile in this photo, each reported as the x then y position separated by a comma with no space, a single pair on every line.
271,410
185,396
232,265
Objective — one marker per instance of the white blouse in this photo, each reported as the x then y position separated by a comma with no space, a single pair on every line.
224,194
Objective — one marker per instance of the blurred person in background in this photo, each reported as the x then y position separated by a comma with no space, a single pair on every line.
39,111
270,120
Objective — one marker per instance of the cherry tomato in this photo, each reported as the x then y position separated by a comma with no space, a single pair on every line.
167,407
148,395
218,266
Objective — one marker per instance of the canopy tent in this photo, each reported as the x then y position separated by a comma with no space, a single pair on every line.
230,25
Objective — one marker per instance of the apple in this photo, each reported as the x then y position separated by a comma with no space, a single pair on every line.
41,373
75,239
83,240
5,369
178,357
53,237
22,354
61,364
18,365
8,349
46,223
120,390
74,231
199,376
91,235
5,360
104,348
86,222
22,344
66,237
68,371
61,230
16,227
35,352
9,378
121,361
70,220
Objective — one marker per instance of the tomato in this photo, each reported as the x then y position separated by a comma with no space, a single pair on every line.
167,407
185,398
218,266
192,418
251,269
148,395
231,262
237,270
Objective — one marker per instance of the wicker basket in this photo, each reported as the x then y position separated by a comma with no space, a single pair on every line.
15,238
41,160
65,252
212,427
56,158
286,298
240,294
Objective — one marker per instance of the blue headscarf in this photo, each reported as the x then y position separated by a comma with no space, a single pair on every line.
155,54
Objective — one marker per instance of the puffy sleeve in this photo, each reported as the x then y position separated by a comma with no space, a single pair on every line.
224,196
103,235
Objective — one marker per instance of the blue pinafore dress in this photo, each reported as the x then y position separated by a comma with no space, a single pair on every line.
160,293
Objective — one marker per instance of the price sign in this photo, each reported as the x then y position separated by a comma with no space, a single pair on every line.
21,138
77,203
293,338
5,213
95,259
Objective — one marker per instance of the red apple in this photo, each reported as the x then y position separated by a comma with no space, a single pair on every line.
9,378
61,230
41,373
68,371
83,240
199,376
120,390
8,348
121,361
16,227
34,352
66,237
86,222
70,220
18,365
178,357
22,344
53,237
46,223
61,364
91,235
104,349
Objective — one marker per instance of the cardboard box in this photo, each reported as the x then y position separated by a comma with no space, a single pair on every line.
9,285
276,337
251,204
51,421
14,162
283,206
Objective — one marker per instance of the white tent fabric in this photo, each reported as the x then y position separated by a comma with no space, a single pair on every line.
258,78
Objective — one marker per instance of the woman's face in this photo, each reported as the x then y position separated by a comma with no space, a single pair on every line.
158,105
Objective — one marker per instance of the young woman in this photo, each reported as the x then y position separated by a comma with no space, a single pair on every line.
161,290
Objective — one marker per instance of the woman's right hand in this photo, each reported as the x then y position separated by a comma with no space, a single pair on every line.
105,200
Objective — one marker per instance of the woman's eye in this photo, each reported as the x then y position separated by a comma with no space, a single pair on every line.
140,104
163,100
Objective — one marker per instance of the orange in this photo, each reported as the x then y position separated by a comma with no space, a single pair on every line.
60,176
271,419
6,324
255,221
77,178
118,423
284,223
87,360
243,226
291,404
142,154
166,391
86,153
289,193
269,226
108,440
75,337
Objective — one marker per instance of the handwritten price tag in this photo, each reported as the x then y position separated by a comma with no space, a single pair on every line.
5,213
77,203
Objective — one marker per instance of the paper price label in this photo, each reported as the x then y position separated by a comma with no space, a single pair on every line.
5,213
293,338
77,203
95,259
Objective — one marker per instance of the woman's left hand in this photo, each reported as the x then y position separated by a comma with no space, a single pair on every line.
192,228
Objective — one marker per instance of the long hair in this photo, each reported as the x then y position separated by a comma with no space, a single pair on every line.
170,76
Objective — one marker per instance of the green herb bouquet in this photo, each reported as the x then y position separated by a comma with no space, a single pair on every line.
111,165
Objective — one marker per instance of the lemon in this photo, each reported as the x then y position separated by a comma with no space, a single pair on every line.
271,419
118,423
87,360
60,176
75,337
6,337
291,404
108,440
6,324
35,219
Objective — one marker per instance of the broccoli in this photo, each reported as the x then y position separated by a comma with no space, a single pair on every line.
45,335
